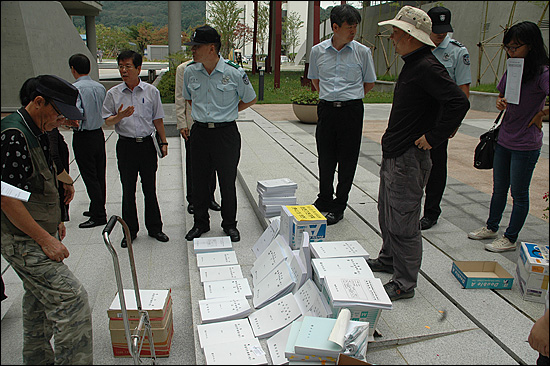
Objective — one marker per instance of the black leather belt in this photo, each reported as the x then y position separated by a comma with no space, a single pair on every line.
215,124
340,104
135,139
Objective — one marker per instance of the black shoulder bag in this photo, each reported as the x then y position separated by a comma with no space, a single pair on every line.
485,150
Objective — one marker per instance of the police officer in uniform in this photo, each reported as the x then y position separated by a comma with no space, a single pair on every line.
217,90
54,303
456,59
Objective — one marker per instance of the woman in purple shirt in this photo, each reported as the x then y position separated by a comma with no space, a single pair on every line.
520,136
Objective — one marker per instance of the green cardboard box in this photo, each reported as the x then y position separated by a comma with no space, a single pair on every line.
482,274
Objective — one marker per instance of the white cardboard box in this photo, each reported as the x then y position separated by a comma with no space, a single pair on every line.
532,271
297,219
532,286
534,257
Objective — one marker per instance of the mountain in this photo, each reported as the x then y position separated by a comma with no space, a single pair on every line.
127,13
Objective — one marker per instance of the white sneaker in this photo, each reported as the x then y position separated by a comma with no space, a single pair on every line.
501,245
482,233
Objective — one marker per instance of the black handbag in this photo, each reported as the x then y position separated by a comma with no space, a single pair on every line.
485,150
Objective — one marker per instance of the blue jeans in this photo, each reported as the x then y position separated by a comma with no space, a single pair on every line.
511,169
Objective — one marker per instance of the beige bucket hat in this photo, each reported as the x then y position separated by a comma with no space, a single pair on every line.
415,22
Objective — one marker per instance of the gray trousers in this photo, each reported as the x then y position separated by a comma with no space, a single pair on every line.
54,304
402,182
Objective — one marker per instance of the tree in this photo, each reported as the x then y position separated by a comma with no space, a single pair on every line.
111,40
291,25
263,25
224,16
243,34
144,34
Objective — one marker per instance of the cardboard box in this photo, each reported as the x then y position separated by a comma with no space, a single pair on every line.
482,274
162,338
532,286
359,313
154,301
297,219
118,323
534,257
347,360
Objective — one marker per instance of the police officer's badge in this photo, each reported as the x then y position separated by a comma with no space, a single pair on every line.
245,80
225,80
446,57
466,59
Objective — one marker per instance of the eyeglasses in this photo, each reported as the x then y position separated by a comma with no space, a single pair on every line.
127,67
512,48
59,114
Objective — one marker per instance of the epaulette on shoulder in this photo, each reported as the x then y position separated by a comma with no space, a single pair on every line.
457,43
231,63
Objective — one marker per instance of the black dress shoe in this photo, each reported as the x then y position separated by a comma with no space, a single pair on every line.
233,233
191,209
333,217
92,223
124,243
376,266
214,206
87,214
160,236
195,232
426,223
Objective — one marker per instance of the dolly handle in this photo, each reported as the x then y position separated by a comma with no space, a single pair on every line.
110,225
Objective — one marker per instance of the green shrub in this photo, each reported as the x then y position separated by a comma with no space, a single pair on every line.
305,96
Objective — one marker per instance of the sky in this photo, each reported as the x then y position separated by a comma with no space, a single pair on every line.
326,4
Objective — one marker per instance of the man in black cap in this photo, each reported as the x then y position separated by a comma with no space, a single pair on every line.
32,230
456,59
218,90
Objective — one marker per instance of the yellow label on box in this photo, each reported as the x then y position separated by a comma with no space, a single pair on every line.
305,213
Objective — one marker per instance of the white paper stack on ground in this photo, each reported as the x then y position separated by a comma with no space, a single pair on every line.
274,193
227,288
222,309
244,352
226,258
218,273
212,244
338,249
341,267
276,346
274,254
274,316
353,291
311,301
275,284
221,332
267,236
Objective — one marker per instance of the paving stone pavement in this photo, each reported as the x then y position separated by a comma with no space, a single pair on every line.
482,326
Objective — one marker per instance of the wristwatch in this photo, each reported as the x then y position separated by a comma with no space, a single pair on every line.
163,144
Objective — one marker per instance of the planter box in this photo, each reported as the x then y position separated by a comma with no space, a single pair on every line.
306,113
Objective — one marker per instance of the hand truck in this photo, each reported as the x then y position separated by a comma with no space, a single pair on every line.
136,338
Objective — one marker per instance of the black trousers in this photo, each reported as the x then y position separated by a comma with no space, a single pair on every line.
338,135
189,174
89,153
437,181
138,158
219,150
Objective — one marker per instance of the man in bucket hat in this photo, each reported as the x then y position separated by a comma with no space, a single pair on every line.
54,303
427,108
